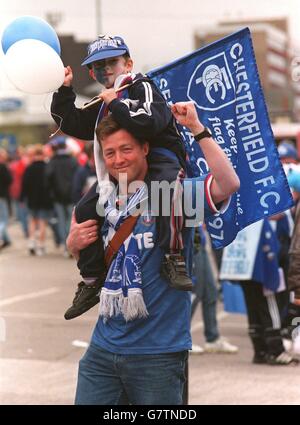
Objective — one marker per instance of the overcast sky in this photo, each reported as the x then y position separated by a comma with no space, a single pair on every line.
157,31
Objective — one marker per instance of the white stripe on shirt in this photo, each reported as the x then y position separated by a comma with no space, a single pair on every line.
147,104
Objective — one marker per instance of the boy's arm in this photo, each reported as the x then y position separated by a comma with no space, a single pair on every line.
145,114
73,121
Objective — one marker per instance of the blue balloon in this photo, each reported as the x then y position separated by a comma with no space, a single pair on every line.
29,27
294,180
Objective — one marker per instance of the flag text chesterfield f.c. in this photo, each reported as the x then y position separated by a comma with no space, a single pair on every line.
223,82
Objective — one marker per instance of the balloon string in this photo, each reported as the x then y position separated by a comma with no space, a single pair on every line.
59,127
58,116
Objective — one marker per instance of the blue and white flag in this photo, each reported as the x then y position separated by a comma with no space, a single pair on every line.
238,258
222,79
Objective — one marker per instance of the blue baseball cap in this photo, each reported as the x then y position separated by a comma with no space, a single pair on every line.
287,150
105,47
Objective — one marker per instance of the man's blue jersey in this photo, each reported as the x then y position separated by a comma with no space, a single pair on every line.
167,328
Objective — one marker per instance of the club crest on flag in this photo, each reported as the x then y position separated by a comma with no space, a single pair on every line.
211,85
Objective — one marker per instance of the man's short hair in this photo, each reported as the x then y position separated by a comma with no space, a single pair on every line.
109,126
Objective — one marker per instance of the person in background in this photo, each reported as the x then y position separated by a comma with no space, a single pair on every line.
265,291
85,176
60,172
52,219
5,181
17,168
205,291
34,193
263,305
289,158
294,277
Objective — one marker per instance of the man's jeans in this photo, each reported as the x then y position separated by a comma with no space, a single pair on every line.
205,291
111,379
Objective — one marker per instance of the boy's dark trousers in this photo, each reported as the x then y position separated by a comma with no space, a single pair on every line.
91,259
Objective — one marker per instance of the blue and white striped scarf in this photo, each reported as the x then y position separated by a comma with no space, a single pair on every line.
122,292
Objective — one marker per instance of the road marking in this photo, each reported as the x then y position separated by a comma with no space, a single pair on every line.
29,296
2,329
81,344
44,316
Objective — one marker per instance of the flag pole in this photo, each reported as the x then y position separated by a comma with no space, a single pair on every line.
99,98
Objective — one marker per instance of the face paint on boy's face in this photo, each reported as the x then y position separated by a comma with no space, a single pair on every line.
100,76
107,70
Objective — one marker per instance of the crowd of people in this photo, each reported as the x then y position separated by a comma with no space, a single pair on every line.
272,300
39,186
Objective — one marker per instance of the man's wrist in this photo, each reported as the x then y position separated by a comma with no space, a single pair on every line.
205,134
71,246
198,128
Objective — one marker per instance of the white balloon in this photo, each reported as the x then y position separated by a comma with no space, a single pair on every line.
34,67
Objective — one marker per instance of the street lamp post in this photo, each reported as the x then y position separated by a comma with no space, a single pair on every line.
98,16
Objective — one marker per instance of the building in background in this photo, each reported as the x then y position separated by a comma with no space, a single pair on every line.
72,53
274,55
